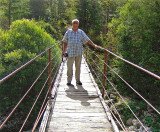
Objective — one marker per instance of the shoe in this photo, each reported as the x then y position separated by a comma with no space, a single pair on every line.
69,84
79,83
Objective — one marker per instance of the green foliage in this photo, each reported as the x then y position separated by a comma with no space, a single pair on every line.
148,121
52,31
18,45
138,31
13,10
89,20
129,28
126,112
37,8
143,105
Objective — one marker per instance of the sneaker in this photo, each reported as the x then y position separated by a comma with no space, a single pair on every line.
69,84
79,83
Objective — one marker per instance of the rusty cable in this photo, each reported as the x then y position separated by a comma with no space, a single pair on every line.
36,99
146,71
107,105
45,96
25,93
27,63
38,117
128,84
122,99
108,95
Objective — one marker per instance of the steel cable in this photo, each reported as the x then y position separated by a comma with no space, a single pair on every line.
128,84
25,93
107,105
108,96
148,72
23,97
36,99
34,104
122,98
38,117
27,63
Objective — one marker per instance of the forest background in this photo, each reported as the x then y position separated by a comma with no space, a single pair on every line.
129,28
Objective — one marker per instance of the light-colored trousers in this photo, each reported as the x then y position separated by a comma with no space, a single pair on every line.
70,61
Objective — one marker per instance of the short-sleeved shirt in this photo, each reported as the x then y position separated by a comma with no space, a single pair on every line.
74,41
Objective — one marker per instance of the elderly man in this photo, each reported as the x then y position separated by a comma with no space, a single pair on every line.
72,41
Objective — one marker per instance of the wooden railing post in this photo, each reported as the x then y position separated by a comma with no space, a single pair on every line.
50,81
104,72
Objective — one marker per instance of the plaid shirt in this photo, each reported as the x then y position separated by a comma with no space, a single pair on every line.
74,41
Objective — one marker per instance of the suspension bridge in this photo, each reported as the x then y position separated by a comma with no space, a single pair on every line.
77,108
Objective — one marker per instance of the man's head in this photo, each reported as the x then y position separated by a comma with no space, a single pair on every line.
75,23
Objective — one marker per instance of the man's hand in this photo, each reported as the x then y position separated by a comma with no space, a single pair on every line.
65,54
96,46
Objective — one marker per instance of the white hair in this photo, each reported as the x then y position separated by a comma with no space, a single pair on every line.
75,20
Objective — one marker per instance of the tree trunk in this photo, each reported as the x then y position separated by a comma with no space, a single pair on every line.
9,13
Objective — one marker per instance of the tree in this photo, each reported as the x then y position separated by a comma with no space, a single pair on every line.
89,14
13,10
23,41
138,32
38,9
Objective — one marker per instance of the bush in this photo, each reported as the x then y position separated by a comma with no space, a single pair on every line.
138,32
55,33
21,43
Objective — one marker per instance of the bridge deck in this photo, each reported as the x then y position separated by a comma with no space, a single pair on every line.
78,108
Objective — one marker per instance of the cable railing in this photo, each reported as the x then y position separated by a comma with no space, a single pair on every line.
42,109
48,79
92,69
102,82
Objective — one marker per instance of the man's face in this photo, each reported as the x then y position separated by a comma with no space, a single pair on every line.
75,24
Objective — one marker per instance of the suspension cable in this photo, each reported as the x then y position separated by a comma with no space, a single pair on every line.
41,110
146,71
128,84
39,117
121,97
23,97
33,104
27,63
107,105
53,78
109,97
36,99
25,94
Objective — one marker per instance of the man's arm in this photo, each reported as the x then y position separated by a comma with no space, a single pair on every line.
94,45
87,40
64,42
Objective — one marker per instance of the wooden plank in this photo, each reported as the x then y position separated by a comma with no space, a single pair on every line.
80,129
82,119
78,108
75,104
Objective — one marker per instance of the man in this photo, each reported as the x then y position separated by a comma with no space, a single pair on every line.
72,41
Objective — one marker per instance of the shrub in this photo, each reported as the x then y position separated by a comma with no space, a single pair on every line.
21,43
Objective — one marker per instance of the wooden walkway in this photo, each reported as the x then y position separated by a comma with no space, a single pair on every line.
76,108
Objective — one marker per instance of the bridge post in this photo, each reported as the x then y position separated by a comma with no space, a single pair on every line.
104,73
50,81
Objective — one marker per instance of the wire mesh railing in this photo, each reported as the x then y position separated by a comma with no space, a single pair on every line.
90,60
48,79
